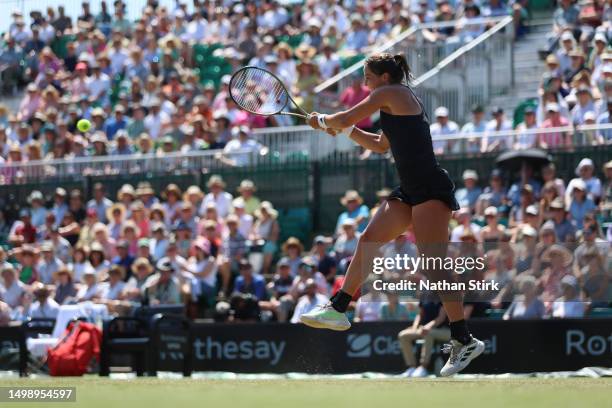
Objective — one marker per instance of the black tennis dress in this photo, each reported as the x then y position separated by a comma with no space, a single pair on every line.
421,177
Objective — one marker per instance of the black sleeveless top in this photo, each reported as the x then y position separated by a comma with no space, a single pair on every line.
420,174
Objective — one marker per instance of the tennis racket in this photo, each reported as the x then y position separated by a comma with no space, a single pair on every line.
259,91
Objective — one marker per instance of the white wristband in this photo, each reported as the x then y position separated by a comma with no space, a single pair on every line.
321,122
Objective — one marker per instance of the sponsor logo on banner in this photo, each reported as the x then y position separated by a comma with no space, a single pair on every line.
359,345
577,342
365,345
267,350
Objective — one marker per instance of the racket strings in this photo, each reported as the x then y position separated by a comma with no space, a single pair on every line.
258,91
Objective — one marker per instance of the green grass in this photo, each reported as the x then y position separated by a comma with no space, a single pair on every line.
93,392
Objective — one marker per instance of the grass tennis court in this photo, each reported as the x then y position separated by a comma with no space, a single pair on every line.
94,392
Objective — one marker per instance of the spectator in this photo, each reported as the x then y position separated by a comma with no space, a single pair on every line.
586,173
250,283
44,306
326,263
580,204
239,151
553,120
266,228
249,201
564,230
221,199
11,288
38,211
559,258
585,105
549,175
526,139
431,325
393,310
124,258
97,260
569,305
518,212
112,290
158,245
310,300
293,248
476,126
465,224
162,287
595,282
526,304
135,286
346,244
204,268
245,221
281,302
494,194
497,124
89,289
48,265
468,195
441,130
355,210
354,94
65,289
492,232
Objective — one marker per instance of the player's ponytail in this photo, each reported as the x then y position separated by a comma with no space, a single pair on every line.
401,62
394,65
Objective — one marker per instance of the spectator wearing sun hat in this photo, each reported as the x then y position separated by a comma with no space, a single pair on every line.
65,289
44,306
249,200
569,304
580,204
162,288
346,244
564,229
221,199
585,104
468,195
355,210
586,173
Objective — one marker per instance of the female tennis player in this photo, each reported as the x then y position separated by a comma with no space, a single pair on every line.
425,197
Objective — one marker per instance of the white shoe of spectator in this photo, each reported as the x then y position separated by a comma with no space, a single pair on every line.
408,372
420,372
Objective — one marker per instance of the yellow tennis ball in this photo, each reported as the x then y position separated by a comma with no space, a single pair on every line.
83,125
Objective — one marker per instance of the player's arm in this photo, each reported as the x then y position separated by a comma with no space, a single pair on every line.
372,141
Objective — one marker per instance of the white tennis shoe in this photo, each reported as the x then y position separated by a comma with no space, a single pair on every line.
326,317
460,355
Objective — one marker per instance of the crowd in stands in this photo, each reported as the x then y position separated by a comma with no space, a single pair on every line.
575,89
160,83
219,252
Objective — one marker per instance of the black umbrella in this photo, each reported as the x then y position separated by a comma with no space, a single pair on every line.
514,159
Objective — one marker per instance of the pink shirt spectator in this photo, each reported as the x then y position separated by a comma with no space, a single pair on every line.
29,105
351,97
553,139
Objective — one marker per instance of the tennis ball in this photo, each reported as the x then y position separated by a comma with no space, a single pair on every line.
83,125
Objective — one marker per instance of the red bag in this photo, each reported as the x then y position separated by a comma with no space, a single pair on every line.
73,354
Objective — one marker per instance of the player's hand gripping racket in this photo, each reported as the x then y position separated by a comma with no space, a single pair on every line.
259,91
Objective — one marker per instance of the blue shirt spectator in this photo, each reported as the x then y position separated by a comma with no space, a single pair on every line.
115,124
355,210
468,195
251,283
